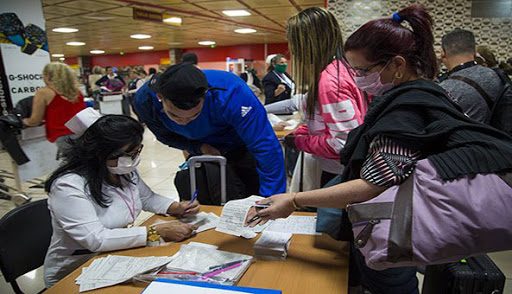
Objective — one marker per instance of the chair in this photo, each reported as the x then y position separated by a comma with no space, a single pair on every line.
25,234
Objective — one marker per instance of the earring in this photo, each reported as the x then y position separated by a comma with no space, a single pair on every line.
398,75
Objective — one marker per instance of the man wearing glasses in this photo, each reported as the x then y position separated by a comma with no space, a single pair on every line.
214,112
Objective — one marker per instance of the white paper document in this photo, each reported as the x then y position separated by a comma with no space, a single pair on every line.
295,224
115,269
272,245
205,221
232,219
166,288
200,259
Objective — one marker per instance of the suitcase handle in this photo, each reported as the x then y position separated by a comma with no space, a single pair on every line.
192,161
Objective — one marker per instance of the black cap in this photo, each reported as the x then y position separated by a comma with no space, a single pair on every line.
183,84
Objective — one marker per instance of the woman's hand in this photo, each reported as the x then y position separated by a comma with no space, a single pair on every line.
183,208
175,231
281,206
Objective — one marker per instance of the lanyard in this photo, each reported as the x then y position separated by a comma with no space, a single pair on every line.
131,207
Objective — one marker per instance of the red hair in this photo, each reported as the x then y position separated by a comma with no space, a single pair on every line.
383,39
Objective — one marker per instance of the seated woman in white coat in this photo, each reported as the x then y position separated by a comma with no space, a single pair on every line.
97,193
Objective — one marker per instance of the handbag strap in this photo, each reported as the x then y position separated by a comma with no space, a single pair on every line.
400,231
476,86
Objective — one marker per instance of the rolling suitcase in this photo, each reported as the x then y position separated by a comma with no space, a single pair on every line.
473,275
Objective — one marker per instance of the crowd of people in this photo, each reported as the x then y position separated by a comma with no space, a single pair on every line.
375,107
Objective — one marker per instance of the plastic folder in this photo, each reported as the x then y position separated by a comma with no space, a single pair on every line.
160,286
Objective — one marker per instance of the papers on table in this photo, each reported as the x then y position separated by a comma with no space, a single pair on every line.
163,286
295,224
272,245
199,258
232,219
205,221
115,269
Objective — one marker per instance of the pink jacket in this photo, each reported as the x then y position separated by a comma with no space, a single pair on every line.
341,107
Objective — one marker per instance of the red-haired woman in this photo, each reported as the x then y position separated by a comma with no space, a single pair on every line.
410,119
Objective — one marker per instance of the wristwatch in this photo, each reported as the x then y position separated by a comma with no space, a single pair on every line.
35,38
12,28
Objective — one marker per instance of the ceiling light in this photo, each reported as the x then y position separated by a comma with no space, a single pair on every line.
65,30
99,17
140,36
175,43
236,12
75,43
206,43
146,47
96,51
62,59
173,20
245,31
58,55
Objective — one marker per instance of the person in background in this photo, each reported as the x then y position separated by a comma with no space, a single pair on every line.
250,77
463,71
56,103
410,119
110,82
135,81
485,57
151,73
190,57
97,73
214,112
277,84
95,196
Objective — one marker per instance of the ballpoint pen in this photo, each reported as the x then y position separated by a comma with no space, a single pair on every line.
213,273
194,196
226,264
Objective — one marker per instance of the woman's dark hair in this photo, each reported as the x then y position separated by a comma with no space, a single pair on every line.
88,154
382,39
273,62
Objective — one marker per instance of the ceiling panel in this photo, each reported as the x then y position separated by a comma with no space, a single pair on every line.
268,18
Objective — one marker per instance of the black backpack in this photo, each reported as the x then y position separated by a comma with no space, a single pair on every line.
501,107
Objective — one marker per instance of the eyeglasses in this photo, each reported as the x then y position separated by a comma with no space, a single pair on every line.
132,154
361,72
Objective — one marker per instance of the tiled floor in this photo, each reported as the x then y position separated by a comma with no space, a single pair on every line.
158,166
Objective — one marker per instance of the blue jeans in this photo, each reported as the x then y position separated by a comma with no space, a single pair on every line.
400,280
328,220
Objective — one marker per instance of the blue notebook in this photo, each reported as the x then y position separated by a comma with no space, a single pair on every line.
159,286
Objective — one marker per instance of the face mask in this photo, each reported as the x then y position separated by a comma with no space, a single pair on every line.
125,165
281,68
372,84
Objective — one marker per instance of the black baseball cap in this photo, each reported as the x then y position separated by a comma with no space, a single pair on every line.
183,84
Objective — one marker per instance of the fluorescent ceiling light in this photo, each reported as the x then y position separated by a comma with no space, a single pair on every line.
99,17
175,43
206,43
245,31
236,12
173,20
75,43
96,51
58,55
62,59
65,30
146,47
140,36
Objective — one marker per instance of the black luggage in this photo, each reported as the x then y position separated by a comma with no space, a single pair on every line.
473,275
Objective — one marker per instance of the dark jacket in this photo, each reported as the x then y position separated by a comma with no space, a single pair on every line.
270,83
420,116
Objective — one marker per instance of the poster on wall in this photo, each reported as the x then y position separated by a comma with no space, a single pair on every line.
23,49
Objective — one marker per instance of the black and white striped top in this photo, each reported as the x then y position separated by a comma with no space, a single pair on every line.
388,163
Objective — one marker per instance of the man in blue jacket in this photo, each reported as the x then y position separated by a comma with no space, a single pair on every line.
214,112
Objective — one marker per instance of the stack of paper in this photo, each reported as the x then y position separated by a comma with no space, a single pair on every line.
115,269
272,245
202,258
234,214
295,224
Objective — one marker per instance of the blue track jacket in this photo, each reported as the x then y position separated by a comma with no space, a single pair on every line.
230,119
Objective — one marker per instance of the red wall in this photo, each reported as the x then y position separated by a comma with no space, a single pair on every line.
205,54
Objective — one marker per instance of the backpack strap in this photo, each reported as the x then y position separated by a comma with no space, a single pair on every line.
476,86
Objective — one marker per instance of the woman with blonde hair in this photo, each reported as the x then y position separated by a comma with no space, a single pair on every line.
56,103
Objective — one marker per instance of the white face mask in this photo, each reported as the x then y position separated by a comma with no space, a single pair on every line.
125,165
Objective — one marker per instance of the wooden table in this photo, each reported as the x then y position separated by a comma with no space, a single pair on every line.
315,264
